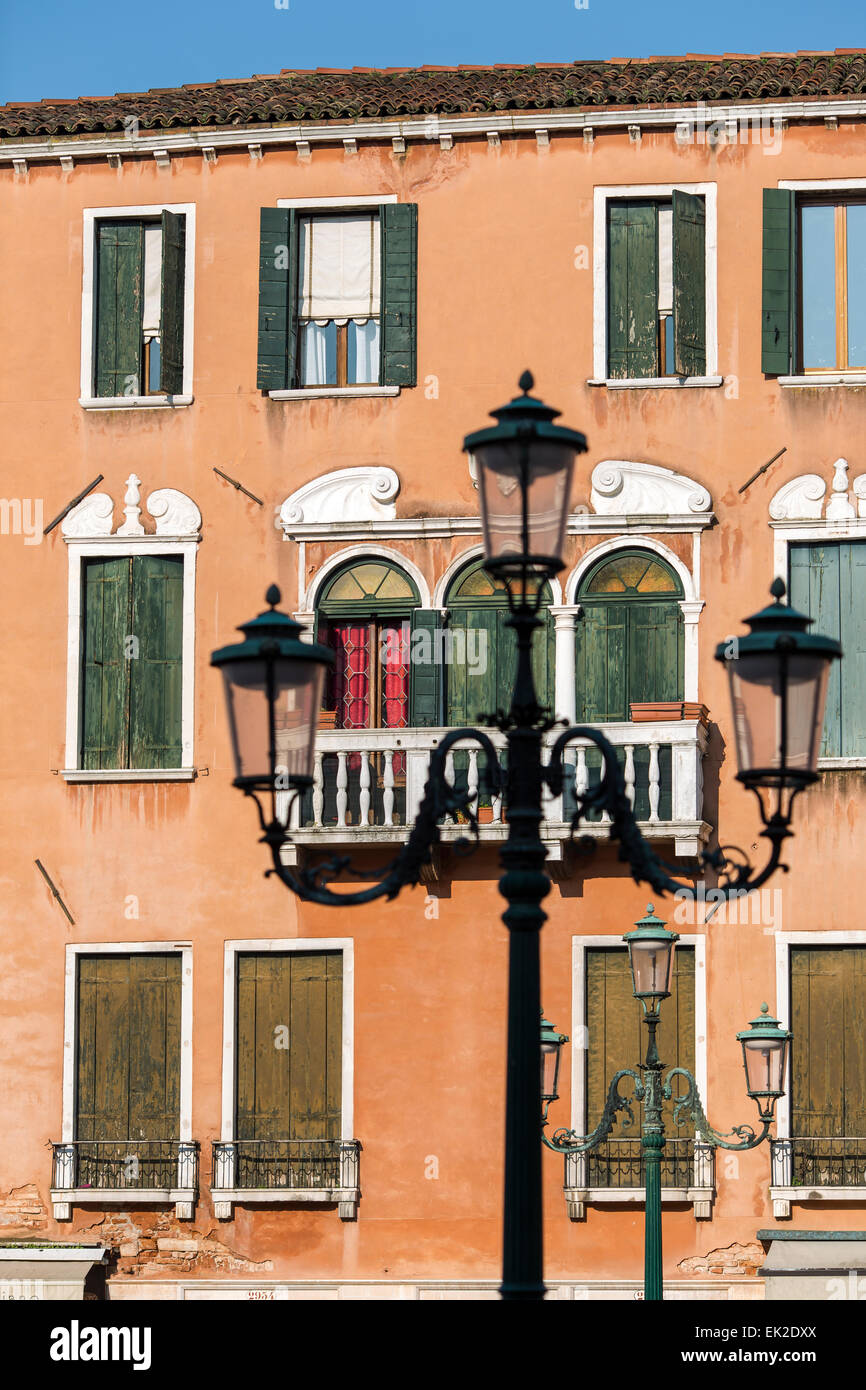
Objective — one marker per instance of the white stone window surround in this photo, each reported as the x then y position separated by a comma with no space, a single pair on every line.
183,1198
577,1196
87,400
602,195
829,378
789,525
783,1197
225,1198
339,204
181,512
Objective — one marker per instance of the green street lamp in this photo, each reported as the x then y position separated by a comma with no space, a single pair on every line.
525,465
766,1047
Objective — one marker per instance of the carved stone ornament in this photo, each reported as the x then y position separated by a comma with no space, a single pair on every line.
175,514
622,487
802,499
349,494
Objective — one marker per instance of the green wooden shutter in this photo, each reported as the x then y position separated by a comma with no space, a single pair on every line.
655,652
128,1064
425,670
278,292
828,1064
828,581
399,328
293,1091
615,1040
156,671
690,284
105,670
172,303
119,277
777,299
601,637
632,289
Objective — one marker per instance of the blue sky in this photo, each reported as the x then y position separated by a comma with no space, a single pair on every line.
68,48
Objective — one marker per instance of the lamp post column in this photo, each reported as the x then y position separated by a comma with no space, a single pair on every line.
524,885
653,1144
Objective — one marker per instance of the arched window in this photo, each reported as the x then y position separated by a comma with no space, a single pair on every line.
629,636
480,655
364,616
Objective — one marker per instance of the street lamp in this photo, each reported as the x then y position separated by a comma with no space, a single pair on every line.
524,465
765,1052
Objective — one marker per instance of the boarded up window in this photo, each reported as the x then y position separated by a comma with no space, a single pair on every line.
616,1038
128,1069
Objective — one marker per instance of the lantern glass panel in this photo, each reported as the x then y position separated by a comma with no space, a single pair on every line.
549,1070
762,695
548,474
297,688
651,966
765,1065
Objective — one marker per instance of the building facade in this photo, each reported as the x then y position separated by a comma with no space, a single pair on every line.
250,324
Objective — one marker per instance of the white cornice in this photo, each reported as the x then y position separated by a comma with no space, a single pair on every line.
436,527
422,128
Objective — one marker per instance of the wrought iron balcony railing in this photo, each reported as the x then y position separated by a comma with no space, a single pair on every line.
368,784
117,1170
309,1170
615,1173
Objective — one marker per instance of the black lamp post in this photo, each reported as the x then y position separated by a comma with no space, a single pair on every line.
525,464
765,1055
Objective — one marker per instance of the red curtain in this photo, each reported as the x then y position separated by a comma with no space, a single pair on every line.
351,643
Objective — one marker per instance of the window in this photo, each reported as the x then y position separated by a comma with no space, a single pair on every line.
132,659
136,335
615,1039
337,298
656,287
828,1067
364,616
629,636
814,286
828,581
127,1071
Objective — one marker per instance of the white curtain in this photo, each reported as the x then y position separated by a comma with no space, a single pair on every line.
364,361
666,261
340,274
150,313
314,355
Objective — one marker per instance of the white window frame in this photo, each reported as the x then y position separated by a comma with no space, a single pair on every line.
577,1194
63,1199
818,532
365,201
347,1198
604,194
783,1197
829,378
117,546
87,400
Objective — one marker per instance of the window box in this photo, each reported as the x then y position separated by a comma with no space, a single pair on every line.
649,712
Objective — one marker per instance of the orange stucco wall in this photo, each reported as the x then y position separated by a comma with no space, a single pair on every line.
498,291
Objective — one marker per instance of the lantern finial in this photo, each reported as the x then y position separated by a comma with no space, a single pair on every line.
526,383
273,596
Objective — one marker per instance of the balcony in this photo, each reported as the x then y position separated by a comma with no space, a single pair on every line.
106,1172
816,1170
369,783
324,1171
614,1173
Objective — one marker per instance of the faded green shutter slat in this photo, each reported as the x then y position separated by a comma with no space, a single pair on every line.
632,287
154,1048
690,291
851,671
655,652
278,260
424,670
399,329
156,672
602,652
172,303
818,1059
119,276
105,673
777,297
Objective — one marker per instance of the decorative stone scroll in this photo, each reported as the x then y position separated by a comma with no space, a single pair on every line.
623,487
348,494
175,515
802,499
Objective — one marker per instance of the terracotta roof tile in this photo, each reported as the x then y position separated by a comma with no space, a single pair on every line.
338,94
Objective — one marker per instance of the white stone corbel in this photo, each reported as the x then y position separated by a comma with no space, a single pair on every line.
67,163
831,122
114,161
209,153
398,143
350,146
493,139
588,135
303,149
446,142
255,152
20,167
634,134
683,133
542,138
163,159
